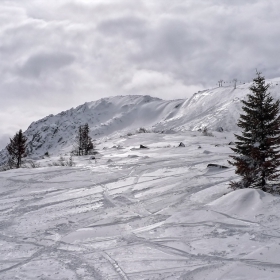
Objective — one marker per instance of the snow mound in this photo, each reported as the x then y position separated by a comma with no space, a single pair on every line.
209,194
240,202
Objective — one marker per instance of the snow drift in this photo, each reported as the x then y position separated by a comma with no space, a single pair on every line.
242,202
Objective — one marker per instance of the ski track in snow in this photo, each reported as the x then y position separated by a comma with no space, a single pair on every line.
165,216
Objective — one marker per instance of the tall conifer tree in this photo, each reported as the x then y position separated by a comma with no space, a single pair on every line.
83,142
88,144
17,149
86,139
257,155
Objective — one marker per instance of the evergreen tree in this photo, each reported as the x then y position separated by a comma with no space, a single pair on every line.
257,154
83,142
17,149
86,139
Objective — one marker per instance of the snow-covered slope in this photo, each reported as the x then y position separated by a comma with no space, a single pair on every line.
105,117
56,133
138,214
214,108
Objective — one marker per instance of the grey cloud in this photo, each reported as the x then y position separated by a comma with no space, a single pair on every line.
170,41
59,54
214,43
127,26
41,62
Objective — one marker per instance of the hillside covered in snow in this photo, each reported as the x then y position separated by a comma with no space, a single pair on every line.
214,108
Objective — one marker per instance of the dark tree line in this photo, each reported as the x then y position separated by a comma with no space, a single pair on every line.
257,154
83,144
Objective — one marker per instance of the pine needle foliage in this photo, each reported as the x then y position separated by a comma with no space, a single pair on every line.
17,149
257,155
83,144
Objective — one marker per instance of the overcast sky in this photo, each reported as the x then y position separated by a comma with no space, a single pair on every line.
58,54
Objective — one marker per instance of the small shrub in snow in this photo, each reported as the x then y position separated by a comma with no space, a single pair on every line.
206,132
25,164
31,164
63,162
61,159
142,130
5,167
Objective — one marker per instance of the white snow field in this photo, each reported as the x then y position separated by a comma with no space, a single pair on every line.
157,213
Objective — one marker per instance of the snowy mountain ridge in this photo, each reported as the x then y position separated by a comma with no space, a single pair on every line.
214,108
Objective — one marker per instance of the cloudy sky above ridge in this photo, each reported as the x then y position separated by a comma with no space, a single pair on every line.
59,54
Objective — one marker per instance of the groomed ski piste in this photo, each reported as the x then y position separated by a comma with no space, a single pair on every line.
156,213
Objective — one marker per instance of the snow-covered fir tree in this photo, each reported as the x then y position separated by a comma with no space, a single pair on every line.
257,156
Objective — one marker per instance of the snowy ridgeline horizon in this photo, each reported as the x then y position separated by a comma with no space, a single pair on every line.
217,109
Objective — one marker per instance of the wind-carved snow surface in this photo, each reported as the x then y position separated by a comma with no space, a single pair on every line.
157,213
214,108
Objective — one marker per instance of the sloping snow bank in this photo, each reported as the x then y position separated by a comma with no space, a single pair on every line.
244,202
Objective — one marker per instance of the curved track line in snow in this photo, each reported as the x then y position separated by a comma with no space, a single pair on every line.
240,220
116,266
